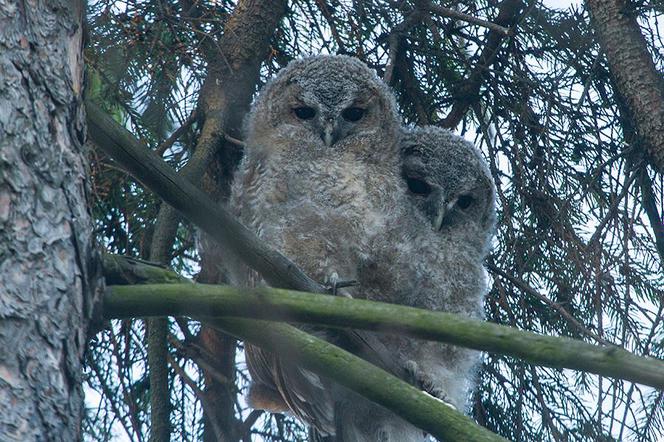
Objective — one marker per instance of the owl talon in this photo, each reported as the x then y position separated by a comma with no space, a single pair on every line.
333,284
422,381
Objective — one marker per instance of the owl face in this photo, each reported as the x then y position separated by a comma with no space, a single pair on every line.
333,119
448,180
326,100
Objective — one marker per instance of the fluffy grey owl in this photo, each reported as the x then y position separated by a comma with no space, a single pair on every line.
431,255
320,175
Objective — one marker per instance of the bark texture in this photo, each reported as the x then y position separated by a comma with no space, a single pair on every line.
47,265
633,69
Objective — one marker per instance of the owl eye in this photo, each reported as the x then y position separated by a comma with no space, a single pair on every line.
465,201
418,186
304,112
353,113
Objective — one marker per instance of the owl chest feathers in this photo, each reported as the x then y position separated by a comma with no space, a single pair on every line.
318,211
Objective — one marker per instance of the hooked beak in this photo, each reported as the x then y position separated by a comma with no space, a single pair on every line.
438,220
442,208
330,134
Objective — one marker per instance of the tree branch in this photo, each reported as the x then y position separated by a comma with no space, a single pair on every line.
317,355
419,408
274,304
170,141
395,43
523,286
468,93
215,220
148,168
233,62
451,13
655,219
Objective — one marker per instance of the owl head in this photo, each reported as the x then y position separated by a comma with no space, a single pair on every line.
325,101
448,181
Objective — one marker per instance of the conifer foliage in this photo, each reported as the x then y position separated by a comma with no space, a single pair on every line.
579,247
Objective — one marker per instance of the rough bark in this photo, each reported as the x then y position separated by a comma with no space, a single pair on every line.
632,67
160,395
48,268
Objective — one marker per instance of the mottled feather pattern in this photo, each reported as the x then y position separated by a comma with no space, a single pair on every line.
411,264
332,180
311,193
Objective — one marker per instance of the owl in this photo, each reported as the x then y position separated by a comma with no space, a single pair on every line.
431,254
321,173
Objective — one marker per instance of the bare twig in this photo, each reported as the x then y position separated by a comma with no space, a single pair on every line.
522,285
395,43
451,13
168,142
208,407
508,14
655,219
610,213
234,140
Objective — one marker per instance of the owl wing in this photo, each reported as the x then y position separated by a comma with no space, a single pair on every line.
306,394
274,377
263,392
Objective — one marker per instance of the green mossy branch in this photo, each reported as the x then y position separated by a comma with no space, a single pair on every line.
315,354
198,300
419,408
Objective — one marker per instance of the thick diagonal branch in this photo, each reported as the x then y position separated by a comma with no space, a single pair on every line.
215,220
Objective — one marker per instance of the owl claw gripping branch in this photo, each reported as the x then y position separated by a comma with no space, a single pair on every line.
333,284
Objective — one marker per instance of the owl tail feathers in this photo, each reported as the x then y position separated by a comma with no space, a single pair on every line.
262,397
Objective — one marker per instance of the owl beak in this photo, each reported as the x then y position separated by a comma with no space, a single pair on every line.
443,209
330,134
438,220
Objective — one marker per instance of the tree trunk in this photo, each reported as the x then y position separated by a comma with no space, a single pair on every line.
48,269
634,71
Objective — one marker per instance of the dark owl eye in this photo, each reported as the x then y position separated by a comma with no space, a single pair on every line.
465,201
304,112
418,186
353,113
